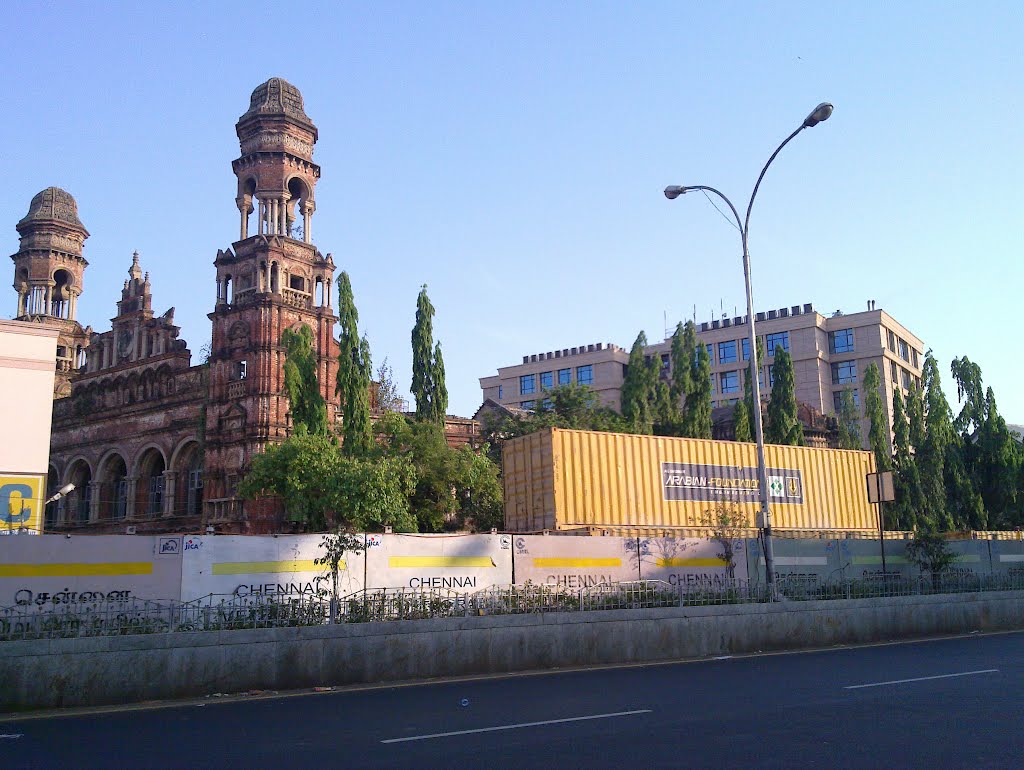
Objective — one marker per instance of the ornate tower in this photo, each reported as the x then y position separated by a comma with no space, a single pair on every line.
271,279
48,272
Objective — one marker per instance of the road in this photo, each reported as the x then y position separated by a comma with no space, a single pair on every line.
942,703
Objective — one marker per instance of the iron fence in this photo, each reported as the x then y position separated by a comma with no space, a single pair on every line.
217,612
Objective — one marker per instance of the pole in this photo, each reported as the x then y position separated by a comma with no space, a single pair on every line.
881,525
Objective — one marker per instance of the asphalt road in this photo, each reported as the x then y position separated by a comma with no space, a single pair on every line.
943,703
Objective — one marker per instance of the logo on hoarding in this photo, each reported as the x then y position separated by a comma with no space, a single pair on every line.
192,545
505,541
168,545
691,482
372,541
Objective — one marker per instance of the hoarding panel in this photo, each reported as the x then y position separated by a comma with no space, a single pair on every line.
574,562
690,561
862,559
252,565
21,503
462,563
50,570
1008,557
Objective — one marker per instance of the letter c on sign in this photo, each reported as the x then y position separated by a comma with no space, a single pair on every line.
6,492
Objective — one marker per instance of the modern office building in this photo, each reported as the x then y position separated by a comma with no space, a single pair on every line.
830,353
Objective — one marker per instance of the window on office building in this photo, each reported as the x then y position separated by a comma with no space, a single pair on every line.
729,382
727,352
837,399
547,379
666,362
892,341
914,359
564,376
501,392
585,374
771,376
844,372
894,371
780,339
840,341
526,404
906,379
527,384
745,344
904,351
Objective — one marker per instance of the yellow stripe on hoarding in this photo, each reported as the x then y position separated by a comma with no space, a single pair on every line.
555,562
254,567
878,560
440,561
690,562
77,569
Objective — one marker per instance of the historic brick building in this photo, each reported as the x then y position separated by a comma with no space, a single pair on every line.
152,441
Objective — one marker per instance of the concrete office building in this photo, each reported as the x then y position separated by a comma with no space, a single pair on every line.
830,354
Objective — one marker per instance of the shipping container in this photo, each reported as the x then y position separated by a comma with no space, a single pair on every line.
558,479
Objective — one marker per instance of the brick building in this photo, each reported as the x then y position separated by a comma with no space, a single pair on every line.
152,441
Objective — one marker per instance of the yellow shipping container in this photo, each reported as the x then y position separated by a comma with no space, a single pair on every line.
562,479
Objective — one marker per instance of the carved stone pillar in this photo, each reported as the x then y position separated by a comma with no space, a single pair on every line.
170,486
95,491
130,490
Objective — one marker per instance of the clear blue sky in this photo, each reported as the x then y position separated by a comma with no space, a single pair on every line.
512,157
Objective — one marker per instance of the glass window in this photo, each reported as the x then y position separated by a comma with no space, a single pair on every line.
526,404
840,341
501,392
837,399
665,361
712,382
727,352
904,351
585,374
914,359
771,376
745,343
906,379
844,372
779,338
547,403
729,402
894,372
564,376
527,384
892,341
547,379
729,382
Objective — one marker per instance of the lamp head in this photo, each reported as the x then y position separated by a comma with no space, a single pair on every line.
820,113
673,191
67,489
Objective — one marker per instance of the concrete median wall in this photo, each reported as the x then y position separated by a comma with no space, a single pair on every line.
95,671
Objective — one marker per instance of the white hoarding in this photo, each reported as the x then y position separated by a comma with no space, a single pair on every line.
463,563
691,562
53,570
246,565
574,562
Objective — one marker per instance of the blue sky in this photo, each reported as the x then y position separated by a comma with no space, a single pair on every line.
511,156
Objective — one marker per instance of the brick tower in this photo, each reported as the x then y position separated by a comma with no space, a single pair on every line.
48,272
273,278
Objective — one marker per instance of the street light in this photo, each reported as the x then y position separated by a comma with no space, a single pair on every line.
67,489
817,115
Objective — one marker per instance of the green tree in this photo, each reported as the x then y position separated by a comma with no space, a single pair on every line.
335,546
300,381
387,398
848,420
684,348
783,424
741,421
903,514
878,426
353,379
638,389
931,553
725,523
428,386
697,412
931,456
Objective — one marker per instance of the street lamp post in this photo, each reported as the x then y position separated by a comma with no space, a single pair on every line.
819,114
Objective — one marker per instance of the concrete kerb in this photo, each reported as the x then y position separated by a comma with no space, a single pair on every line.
109,670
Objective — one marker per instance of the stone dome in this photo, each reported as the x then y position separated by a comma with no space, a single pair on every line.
53,203
276,97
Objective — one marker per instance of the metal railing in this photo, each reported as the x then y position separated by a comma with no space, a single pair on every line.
116,614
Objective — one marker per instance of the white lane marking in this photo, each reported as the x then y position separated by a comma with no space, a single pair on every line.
11,735
517,726
922,678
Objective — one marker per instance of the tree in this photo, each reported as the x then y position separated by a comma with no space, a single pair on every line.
931,457
741,421
323,489
848,421
335,546
300,381
930,552
387,398
725,523
743,416
353,379
684,348
783,424
428,386
697,412
638,389
878,426
903,513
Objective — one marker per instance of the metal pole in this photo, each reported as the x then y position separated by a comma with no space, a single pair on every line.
881,525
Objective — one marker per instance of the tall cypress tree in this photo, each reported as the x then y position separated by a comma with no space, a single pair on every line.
439,399
424,368
931,457
300,381
848,420
783,424
637,389
697,415
878,426
909,498
353,379
684,345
